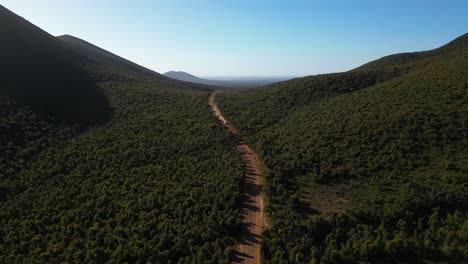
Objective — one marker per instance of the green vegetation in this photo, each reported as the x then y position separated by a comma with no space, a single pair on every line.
102,160
158,183
392,134
157,180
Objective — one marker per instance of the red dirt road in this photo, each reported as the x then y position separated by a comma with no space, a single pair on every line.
252,196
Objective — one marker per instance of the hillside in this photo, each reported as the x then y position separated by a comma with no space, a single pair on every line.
366,165
407,58
106,57
41,72
111,66
156,182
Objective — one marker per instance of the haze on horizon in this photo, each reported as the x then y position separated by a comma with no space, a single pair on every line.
241,38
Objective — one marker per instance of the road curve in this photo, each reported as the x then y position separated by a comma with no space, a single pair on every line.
251,206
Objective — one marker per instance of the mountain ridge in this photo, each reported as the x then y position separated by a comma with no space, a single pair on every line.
101,55
114,65
395,60
42,72
185,76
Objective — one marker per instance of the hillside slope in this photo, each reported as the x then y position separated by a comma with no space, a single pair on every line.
411,57
157,182
106,57
367,165
41,72
111,66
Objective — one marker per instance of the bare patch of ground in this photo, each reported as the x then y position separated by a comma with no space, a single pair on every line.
320,199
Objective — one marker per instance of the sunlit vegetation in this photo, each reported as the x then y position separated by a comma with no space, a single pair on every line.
104,161
392,135
159,182
155,181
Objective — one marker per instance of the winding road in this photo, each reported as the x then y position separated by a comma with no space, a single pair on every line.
251,205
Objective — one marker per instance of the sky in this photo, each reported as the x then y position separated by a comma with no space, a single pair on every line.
251,38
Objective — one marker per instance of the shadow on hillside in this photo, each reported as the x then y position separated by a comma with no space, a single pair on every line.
41,72
67,94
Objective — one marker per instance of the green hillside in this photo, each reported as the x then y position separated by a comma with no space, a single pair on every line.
408,58
105,57
156,182
367,165
110,66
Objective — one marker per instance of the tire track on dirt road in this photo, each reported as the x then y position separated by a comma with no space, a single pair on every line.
251,206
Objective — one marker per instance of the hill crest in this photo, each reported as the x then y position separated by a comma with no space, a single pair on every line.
101,55
407,57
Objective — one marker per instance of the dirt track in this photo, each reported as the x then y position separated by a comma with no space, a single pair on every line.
252,196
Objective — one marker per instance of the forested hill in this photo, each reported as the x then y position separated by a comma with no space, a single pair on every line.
107,65
366,165
183,76
399,60
105,57
43,72
290,95
40,71
156,182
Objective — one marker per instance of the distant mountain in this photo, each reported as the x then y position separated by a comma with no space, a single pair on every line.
233,83
183,76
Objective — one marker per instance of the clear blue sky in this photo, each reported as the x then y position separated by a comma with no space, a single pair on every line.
251,37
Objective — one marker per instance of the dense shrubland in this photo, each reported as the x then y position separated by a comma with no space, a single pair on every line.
103,161
397,135
158,182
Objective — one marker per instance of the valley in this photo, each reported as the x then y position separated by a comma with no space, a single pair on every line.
103,160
